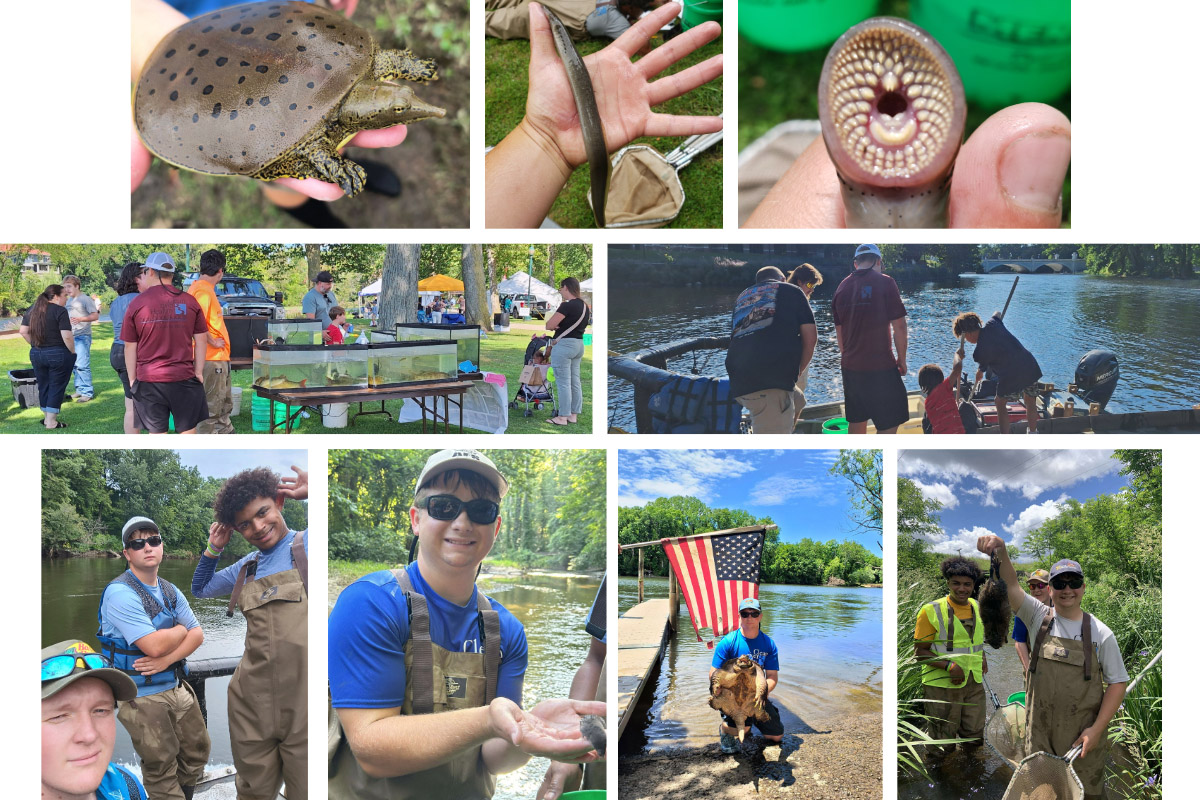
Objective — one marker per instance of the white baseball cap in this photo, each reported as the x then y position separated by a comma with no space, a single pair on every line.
472,460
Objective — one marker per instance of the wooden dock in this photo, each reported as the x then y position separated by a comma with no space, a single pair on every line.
641,633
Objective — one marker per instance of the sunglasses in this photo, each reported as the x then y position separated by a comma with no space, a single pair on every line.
61,666
1073,582
1034,586
751,614
138,544
447,507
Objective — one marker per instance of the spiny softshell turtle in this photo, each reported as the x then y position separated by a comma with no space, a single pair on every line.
272,90
739,689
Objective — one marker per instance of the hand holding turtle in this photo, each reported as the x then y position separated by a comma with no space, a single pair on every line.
548,730
991,543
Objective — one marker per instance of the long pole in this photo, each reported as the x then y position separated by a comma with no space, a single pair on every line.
748,529
1010,295
641,578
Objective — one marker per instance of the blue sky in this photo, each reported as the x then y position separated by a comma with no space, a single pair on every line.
793,487
1005,492
224,463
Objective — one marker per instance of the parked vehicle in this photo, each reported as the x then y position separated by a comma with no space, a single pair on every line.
241,297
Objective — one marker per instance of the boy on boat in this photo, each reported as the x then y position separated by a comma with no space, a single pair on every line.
426,672
1015,368
943,411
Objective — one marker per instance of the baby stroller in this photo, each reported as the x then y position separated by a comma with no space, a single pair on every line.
540,390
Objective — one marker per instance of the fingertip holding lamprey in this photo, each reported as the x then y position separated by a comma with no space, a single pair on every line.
892,114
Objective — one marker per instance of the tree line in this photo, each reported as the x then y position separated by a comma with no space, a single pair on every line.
553,516
88,495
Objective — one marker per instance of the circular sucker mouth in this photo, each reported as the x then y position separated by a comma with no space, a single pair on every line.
891,103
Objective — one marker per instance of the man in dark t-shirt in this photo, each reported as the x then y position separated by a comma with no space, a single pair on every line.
774,335
868,316
166,338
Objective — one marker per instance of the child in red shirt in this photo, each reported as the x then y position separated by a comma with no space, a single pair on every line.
941,396
336,333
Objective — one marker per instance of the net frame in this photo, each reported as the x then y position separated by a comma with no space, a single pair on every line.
1005,734
1042,768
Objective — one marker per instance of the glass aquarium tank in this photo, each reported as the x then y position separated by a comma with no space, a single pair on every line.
295,331
399,363
310,367
465,337
380,335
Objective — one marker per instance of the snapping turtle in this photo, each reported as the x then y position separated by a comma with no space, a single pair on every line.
994,609
272,90
739,689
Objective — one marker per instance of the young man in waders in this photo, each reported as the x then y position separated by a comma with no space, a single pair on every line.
147,630
425,672
949,646
1076,678
268,695
749,640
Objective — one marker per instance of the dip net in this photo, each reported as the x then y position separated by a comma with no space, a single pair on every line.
1005,733
1042,776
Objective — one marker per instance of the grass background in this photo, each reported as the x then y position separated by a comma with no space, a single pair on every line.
506,70
500,352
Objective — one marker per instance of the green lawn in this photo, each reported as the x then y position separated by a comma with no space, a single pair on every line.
506,67
500,352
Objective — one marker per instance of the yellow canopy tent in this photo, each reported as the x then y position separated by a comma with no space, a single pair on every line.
440,283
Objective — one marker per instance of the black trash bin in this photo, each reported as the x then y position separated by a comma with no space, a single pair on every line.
24,387
500,320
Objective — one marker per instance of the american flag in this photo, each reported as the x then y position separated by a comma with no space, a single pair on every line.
716,573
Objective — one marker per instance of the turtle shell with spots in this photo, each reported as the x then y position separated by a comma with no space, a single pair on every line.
272,90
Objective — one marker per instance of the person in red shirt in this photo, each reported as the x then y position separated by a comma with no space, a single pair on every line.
166,341
941,396
336,332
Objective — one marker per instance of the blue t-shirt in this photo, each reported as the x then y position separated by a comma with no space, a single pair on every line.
116,312
277,559
368,629
122,614
761,648
1020,632
114,786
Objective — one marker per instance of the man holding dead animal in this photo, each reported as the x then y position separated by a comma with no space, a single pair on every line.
949,646
1076,676
749,640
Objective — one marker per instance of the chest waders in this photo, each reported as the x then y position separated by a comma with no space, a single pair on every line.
437,680
123,653
268,707
1062,697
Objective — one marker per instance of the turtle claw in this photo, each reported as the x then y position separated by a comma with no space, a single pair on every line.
354,178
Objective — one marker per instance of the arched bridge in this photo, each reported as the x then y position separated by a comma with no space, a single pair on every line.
1031,266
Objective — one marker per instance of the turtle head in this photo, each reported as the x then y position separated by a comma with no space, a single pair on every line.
376,104
745,662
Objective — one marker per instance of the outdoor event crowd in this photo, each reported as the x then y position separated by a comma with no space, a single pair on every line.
774,336
146,632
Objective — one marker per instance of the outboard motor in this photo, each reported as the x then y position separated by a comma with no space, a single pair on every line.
1096,376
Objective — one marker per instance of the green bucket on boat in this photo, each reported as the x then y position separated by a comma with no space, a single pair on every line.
835,425
1017,697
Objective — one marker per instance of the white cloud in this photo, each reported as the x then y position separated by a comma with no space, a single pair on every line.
779,489
1031,518
941,492
1032,473
646,475
962,542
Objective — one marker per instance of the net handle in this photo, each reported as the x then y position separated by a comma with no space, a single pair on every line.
1073,753
991,694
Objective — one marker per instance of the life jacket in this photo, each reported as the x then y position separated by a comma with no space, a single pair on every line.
964,649
695,404
123,654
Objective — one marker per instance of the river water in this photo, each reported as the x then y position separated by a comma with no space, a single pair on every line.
1151,326
981,774
830,657
71,590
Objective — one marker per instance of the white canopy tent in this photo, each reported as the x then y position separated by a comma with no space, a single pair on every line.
523,283
586,286
372,289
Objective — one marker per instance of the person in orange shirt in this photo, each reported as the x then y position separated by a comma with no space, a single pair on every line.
217,387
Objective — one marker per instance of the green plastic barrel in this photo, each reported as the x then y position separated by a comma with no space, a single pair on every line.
1017,697
697,12
794,25
586,794
835,425
1011,52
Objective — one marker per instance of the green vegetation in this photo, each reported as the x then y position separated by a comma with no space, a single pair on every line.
88,495
553,515
506,68
500,352
1117,539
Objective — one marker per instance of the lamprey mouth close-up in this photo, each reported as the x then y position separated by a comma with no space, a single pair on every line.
892,115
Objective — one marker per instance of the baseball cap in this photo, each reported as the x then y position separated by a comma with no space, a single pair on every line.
324,276
867,249
122,685
1040,575
160,262
749,602
472,460
1065,567
137,524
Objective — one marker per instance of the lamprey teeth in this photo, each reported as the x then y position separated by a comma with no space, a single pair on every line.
888,131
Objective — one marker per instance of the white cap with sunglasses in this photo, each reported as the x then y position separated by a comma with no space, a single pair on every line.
471,460
136,524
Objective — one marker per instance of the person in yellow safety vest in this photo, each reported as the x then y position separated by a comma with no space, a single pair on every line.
1076,679
949,645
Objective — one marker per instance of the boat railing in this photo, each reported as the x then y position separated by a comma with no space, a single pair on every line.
647,370
201,670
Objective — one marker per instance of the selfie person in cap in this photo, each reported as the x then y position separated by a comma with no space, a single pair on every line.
318,300
868,317
80,690
268,700
749,640
147,630
1076,678
1039,588
166,340
425,672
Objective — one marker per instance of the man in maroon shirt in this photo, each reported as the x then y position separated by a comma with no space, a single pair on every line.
867,316
166,338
